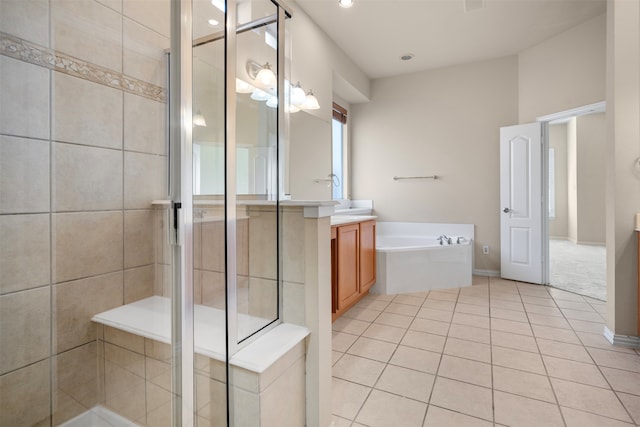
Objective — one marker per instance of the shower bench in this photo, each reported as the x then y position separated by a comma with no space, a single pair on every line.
135,342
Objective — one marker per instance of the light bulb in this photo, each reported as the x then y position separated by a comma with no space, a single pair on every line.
297,95
311,102
291,109
272,102
266,78
345,3
198,120
243,87
260,95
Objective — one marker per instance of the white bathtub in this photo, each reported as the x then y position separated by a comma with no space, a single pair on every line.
411,259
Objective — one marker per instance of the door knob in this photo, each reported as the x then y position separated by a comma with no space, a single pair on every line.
506,210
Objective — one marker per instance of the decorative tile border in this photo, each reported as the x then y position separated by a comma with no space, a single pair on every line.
17,48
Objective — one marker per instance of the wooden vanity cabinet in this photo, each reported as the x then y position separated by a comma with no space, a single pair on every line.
353,264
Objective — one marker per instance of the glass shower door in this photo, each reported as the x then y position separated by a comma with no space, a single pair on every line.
235,187
209,222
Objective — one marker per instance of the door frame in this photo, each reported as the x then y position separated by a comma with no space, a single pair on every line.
598,107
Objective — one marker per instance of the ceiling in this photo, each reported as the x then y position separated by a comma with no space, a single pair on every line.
375,33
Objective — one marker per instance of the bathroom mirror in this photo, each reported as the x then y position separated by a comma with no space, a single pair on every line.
256,130
310,157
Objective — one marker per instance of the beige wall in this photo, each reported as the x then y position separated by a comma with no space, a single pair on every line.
444,122
564,72
558,226
623,186
580,179
591,130
349,82
572,180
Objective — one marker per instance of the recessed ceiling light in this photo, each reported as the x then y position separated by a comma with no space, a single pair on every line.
407,56
345,3
213,22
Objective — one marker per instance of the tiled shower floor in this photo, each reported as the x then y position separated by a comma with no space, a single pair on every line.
99,417
496,353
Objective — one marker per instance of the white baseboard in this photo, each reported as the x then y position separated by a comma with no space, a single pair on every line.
624,340
490,273
591,243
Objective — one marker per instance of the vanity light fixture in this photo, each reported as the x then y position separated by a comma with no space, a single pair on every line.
311,102
263,86
345,3
198,120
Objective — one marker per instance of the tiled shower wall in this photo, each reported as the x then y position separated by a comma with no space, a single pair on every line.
82,155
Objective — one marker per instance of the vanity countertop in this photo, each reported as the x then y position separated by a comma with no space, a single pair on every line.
349,219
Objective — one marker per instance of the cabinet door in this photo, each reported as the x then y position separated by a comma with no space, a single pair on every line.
367,255
348,264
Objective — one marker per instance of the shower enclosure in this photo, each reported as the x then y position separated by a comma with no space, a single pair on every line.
141,167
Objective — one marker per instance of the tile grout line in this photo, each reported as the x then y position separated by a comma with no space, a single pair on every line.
493,389
52,269
546,371
383,369
413,318
597,366
444,345
390,357
345,352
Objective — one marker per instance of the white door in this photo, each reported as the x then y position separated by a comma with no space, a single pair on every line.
521,203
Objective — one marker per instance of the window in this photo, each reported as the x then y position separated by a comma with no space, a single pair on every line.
339,153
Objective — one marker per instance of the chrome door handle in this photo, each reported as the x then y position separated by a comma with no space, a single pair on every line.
506,210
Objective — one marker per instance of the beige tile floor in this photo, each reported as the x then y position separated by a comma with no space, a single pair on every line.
498,353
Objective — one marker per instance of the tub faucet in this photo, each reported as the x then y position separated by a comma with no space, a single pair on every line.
444,239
